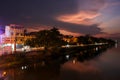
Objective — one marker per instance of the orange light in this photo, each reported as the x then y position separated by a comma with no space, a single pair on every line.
4,73
74,61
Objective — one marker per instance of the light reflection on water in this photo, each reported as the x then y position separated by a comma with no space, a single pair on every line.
103,67
79,71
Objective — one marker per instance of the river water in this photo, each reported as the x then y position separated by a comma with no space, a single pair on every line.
105,66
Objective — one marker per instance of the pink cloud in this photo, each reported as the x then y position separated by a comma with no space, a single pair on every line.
104,35
44,27
111,4
82,17
65,32
111,26
37,28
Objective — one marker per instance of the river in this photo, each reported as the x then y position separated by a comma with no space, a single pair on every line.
105,66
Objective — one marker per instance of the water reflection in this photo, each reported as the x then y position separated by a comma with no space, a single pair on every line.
32,72
116,45
3,75
90,64
75,70
104,67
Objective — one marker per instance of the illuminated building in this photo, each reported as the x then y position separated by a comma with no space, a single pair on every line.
14,33
70,39
13,38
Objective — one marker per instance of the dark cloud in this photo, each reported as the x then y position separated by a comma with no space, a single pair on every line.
84,29
94,5
35,12
115,36
14,11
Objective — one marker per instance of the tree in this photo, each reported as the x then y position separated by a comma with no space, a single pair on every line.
48,38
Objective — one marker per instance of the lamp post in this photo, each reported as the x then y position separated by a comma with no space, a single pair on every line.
14,40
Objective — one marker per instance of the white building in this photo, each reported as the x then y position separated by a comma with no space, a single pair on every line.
12,38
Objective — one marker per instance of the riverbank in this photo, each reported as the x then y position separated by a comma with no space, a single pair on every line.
26,58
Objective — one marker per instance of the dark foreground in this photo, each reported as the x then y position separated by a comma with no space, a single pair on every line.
90,64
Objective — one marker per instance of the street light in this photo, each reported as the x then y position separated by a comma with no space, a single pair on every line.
14,40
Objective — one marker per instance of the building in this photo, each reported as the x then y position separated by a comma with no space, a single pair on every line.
14,33
70,39
14,38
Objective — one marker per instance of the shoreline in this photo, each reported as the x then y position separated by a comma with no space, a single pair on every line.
18,59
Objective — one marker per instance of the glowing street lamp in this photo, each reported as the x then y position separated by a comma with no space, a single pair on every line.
14,40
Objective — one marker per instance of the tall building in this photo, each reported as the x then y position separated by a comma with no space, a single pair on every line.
12,38
14,33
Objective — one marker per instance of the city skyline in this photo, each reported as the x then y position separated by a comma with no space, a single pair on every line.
99,18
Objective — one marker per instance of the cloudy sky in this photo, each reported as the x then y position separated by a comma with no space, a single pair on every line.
100,18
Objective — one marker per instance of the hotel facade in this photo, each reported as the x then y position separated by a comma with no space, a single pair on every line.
13,39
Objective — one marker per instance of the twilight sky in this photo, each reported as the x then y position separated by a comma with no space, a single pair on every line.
100,18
